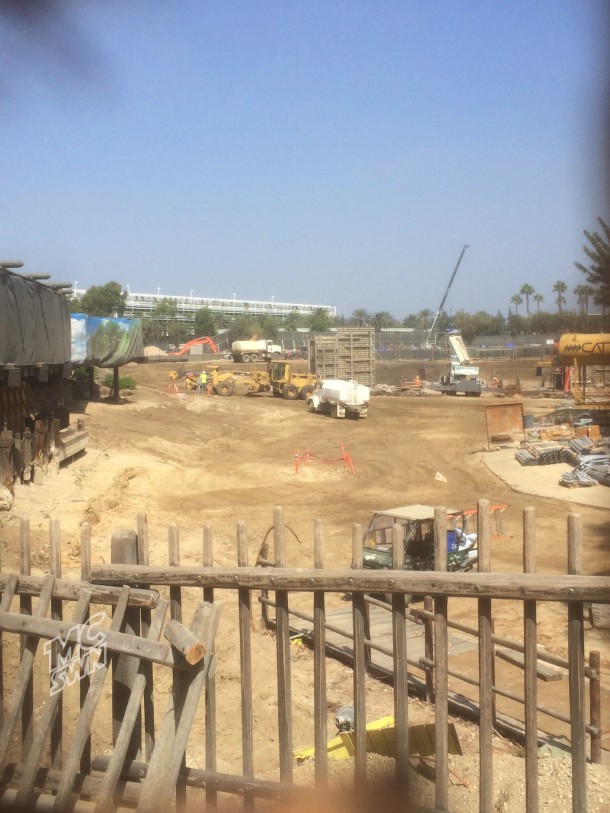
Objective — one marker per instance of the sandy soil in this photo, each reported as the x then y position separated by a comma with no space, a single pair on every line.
189,459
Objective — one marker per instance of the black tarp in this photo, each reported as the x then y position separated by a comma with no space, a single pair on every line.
34,322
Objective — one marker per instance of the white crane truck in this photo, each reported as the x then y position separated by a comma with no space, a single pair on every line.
463,375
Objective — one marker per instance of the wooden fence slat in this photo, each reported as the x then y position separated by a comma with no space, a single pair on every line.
56,615
485,666
5,603
468,585
319,664
121,746
20,686
167,756
124,548
145,622
210,681
84,681
359,625
83,724
175,611
28,776
284,681
441,660
245,659
399,665
530,675
576,658
71,590
25,607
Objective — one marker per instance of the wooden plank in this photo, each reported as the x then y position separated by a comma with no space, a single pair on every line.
71,590
130,720
400,666
119,642
441,661
124,549
28,776
210,681
167,757
284,678
145,621
566,588
5,604
543,672
576,658
56,615
599,616
486,721
530,663
83,724
84,681
25,607
359,628
319,664
24,673
244,598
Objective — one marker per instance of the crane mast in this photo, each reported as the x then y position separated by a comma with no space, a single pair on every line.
440,307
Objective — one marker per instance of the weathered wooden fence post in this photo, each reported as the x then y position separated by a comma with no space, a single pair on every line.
124,551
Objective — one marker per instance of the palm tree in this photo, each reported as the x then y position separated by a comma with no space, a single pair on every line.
538,298
382,319
424,317
360,317
527,290
516,300
582,297
560,288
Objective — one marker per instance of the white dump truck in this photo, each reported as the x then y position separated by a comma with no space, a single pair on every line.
340,399
255,350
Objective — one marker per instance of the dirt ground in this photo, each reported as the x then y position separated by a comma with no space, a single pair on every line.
190,459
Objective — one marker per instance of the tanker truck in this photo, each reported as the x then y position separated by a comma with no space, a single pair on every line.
255,350
340,399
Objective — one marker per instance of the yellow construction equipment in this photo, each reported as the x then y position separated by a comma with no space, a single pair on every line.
288,383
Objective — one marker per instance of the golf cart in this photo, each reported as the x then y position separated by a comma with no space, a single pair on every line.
417,523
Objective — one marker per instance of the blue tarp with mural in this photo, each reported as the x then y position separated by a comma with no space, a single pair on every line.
106,341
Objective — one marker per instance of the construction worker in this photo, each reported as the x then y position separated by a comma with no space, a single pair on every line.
202,382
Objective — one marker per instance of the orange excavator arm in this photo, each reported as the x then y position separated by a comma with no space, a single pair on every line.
193,343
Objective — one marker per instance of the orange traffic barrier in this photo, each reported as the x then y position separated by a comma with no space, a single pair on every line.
308,458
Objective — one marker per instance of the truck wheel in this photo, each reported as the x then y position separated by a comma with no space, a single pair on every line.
276,356
291,393
306,391
253,356
225,388
245,357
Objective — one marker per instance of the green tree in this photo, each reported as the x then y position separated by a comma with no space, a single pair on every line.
320,321
292,321
360,317
424,318
516,300
101,300
560,288
382,319
527,290
597,272
205,322
538,298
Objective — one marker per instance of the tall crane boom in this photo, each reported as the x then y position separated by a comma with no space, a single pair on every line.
440,307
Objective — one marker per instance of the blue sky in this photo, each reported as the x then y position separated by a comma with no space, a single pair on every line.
337,152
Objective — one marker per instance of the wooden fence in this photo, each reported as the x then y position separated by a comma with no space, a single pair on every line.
59,751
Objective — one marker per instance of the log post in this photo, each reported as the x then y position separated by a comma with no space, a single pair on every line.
124,550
